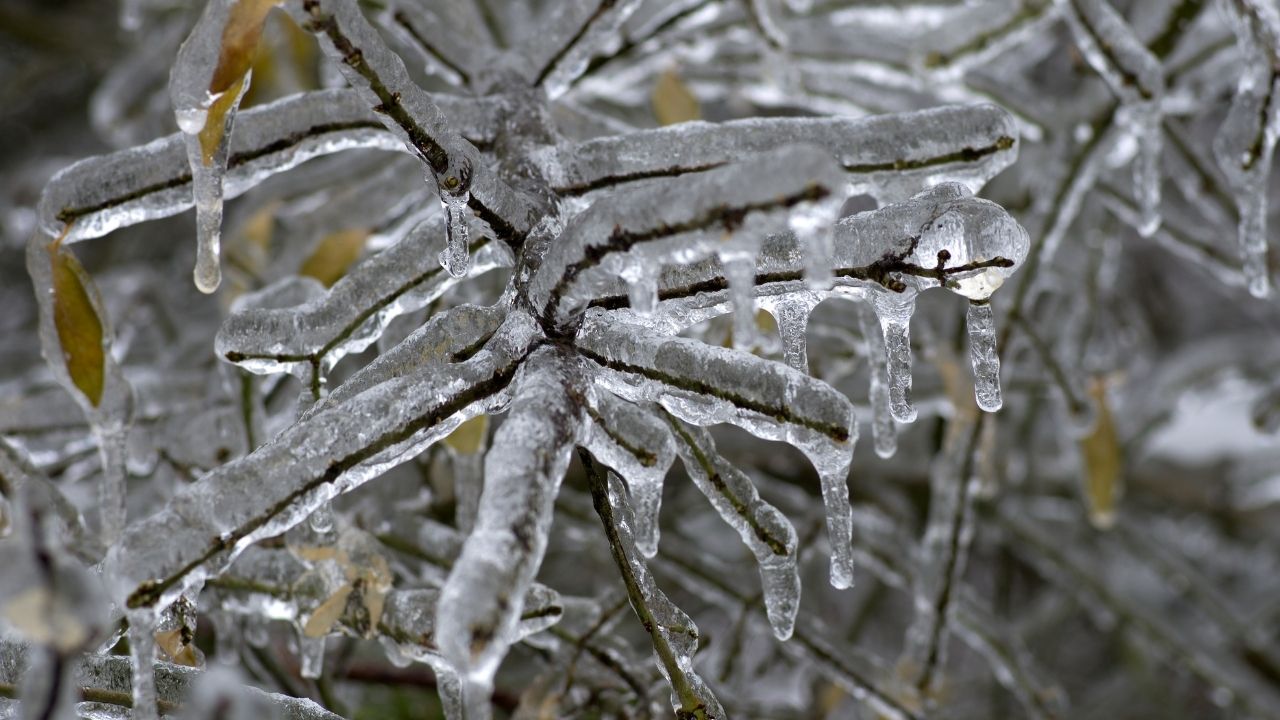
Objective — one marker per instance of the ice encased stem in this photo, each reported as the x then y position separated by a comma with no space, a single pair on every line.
982,353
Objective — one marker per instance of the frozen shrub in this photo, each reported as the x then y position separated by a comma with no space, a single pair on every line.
471,305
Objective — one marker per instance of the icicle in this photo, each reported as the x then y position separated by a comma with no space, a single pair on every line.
1146,167
209,77
813,225
740,271
833,474
641,277
882,427
142,650
792,315
208,168
1253,240
982,352
468,483
455,257
895,321
227,637
455,192
111,484
311,656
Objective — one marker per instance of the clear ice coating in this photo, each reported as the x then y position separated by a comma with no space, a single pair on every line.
1136,76
574,282
764,529
480,605
982,353
673,633
894,313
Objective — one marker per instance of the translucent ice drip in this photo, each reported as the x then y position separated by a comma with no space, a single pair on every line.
455,257
1146,167
832,461
207,173
311,656
792,315
740,271
982,353
641,277
895,313
882,427
112,446
142,650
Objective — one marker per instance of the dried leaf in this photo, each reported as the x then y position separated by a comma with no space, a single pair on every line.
76,319
1103,462
240,38
672,100
334,255
212,133
468,438
178,650
324,616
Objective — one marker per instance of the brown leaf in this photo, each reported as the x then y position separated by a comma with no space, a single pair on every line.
215,122
180,652
240,38
672,100
334,255
1103,462
76,319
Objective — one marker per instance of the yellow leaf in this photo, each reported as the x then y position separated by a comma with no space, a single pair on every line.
672,100
240,38
76,319
468,438
333,255
324,617
214,123
1103,461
